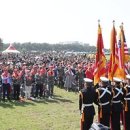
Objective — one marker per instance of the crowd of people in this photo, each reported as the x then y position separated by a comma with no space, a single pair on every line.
33,75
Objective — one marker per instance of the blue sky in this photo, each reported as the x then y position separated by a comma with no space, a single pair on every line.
56,21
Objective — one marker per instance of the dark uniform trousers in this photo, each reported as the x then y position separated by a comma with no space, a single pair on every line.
115,117
116,108
88,120
105,119
127,120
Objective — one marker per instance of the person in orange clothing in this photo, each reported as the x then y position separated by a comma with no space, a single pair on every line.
89,73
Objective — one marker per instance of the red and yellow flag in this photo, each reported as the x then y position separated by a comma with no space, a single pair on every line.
114,59
100,64
118,55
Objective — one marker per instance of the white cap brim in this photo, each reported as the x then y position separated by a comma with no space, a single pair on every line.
88,80
117,79
104,79
128,76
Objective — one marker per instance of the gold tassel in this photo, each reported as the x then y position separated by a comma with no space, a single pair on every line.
83,117
101,112
126,105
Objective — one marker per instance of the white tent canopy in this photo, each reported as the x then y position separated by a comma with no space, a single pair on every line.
10,49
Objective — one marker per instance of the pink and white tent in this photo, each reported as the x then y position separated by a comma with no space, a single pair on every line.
10,49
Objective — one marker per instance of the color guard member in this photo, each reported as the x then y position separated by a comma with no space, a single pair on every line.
104,101
86,99
117,92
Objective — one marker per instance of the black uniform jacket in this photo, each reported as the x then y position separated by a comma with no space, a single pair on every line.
87,96
117,96
105,98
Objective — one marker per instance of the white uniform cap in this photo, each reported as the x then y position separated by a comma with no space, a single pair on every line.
128,76
88,80
117,79
104,79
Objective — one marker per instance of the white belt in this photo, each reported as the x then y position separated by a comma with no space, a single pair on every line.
127,98
103,104
86,105
116,101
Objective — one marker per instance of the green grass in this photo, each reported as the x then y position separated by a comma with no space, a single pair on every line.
61,113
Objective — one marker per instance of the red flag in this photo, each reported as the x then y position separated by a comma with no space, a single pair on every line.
100,58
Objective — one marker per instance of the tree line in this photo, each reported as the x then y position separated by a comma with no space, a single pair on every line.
43,47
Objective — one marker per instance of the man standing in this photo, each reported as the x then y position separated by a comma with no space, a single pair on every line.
116,103
104,100
61,75
79,77
39,84
86,98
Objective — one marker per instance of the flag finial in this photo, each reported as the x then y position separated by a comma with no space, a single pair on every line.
98,21
121,26
113,22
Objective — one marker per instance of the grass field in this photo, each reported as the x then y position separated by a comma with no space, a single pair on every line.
59,113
